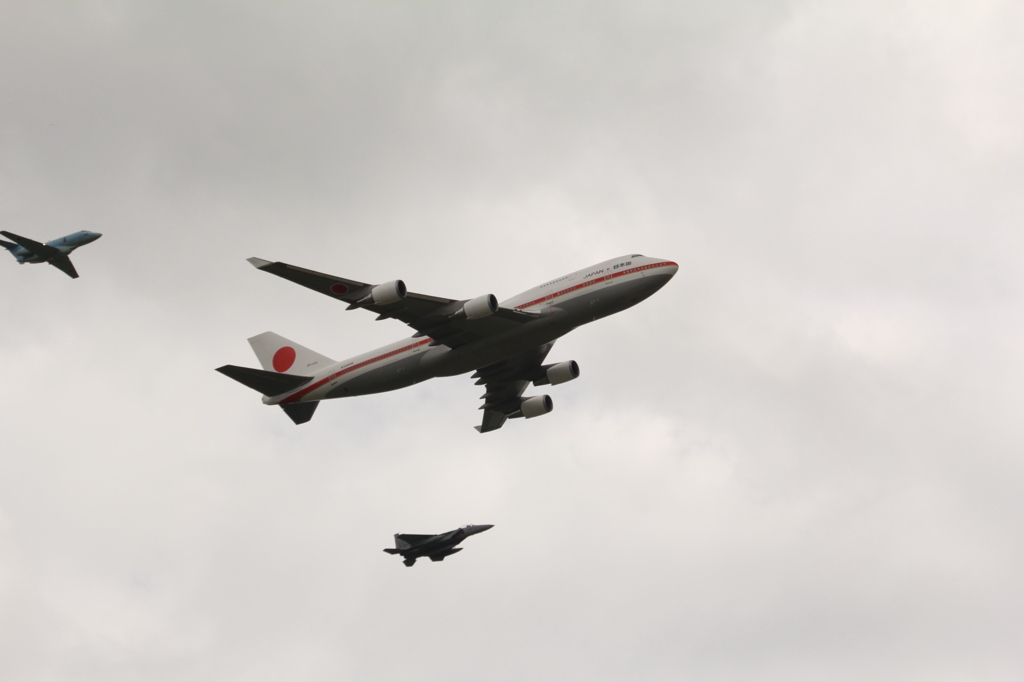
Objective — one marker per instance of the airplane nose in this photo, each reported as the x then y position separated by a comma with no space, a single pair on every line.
473,530
671,268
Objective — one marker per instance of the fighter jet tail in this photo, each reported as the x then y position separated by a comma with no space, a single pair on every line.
8,245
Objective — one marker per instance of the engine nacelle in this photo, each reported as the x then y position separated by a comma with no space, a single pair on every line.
439,556
558,374
389,292
481,306
536,406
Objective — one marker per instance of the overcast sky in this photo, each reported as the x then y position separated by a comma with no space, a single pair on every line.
800,460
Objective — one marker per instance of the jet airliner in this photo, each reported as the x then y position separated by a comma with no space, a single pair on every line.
504,344
54,252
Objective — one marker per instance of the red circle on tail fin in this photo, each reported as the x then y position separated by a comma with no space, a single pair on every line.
339,289
283,358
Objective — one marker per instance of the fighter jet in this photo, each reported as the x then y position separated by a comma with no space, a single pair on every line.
54,252
437,547
503,344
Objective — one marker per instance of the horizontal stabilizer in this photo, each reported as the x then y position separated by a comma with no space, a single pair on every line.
391,550
8,245
267,383
300,413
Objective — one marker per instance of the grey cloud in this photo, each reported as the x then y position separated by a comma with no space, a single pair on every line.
799,460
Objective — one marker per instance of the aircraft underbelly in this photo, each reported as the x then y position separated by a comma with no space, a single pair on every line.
488,351
558,320
605,300
390,377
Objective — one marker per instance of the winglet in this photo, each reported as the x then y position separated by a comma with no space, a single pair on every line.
493,420
259,262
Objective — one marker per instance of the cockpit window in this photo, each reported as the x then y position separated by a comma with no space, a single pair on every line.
637,255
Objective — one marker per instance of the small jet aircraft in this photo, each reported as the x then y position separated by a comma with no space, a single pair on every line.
54,252
505,344
437,547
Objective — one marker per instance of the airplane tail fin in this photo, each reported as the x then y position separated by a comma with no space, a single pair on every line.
278,354
9,246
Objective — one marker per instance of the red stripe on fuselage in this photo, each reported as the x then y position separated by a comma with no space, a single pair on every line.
596,280
351,368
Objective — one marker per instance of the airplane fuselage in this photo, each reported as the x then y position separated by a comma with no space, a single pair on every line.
559,306
65,245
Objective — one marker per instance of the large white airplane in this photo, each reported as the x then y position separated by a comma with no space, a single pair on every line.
504,343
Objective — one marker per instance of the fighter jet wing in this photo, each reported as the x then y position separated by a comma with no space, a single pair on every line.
63,263
438,318
41,250
505,382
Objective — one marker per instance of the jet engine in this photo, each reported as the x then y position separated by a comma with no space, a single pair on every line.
389,292
440,555
474,309
536,406
558,374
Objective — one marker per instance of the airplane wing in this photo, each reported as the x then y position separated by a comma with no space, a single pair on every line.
41,250
63,263
442,319
505,382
